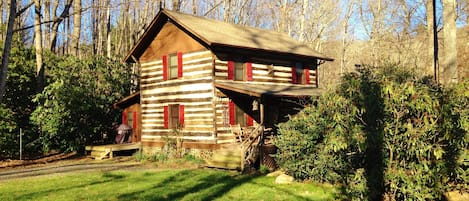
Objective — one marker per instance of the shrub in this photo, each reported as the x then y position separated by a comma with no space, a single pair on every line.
383,133
78,102
263,169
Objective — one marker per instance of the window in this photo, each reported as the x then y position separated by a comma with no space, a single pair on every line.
239,117
239,71
174,116
173,66
300,74
130,119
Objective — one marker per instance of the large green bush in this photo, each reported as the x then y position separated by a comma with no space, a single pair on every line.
383,133
17,105
76,107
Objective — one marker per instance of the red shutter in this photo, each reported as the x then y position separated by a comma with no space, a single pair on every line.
231,110
166,116
181,115
249,71
316,80
135,121
124,117
306,73
230,70
293,75
165,67
179,64
249,120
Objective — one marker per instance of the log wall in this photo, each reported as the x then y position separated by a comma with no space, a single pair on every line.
264,73
195,90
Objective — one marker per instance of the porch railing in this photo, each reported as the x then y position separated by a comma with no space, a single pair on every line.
250,145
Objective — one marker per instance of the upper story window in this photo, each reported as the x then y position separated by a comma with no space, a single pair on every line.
173,66
300,74
239,71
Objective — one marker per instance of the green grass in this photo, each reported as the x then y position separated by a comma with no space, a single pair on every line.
189,184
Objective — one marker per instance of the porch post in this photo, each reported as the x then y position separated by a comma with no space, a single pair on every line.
261,110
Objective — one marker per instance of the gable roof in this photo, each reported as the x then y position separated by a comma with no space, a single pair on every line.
218,35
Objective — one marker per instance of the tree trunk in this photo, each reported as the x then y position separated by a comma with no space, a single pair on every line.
432,43
301,36
344,37
7,48
108,30
194,7
56,22
177,5
47,18
450,69
283,16
38,46
227,10
76,27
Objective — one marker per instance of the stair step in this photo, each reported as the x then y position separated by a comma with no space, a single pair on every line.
99,154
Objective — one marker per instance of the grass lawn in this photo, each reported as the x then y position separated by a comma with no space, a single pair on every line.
179,184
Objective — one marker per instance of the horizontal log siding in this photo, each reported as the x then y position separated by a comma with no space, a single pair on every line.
260,73
194,90
224,134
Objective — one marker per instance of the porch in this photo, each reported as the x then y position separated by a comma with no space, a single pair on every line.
268,104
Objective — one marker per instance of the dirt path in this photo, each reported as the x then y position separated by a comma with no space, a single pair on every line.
69,165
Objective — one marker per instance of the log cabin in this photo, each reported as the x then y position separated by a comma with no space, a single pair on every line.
217,86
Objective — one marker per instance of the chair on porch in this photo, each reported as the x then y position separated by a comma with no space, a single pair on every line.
237,131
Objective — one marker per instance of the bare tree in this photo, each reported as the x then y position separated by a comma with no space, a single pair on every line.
38,46
56,21
177,5
7,47
432,39
450,69
345,43
76,27
108,29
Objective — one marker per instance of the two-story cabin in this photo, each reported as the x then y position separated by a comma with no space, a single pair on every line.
207,78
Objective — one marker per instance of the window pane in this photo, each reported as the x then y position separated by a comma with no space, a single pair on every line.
299,73
174,116
173,66
130,119
239,71
240,118
173,72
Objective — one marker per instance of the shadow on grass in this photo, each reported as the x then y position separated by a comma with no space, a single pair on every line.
106,178
191,185
278,189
